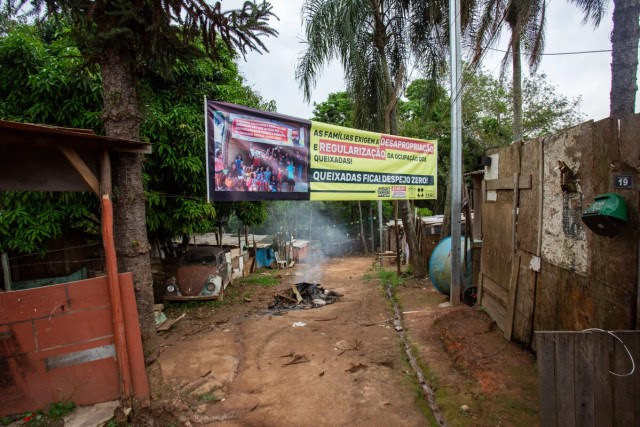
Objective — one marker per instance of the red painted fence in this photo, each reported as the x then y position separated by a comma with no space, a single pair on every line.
57,343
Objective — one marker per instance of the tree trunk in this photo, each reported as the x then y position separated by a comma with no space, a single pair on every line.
624,58
246,235
362,236
415,255
121,119
517,89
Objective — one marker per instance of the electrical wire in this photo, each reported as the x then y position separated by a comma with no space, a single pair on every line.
633,364
577,52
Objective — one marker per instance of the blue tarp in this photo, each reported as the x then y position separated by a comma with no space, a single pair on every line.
265,256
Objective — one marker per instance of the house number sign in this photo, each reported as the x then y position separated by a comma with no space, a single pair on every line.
623,181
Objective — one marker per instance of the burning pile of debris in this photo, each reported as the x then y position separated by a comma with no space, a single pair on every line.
303,296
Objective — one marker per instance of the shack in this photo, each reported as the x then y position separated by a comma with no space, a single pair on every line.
44,355
542,267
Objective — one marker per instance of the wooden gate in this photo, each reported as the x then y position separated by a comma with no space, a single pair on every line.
583,379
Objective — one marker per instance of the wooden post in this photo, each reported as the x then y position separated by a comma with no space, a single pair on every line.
395,217
373,240
111,265
6,271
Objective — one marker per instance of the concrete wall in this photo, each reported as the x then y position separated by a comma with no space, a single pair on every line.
542,268
56,343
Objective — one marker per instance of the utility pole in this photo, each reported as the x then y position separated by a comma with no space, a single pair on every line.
456,147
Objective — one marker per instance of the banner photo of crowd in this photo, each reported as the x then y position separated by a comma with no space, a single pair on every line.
259,155
255,155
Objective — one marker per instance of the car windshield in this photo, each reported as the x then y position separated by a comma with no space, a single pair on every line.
199,258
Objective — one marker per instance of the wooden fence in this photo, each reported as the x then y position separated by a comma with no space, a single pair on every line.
541,268
578,381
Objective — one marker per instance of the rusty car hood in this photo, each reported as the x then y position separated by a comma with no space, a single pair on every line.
191,278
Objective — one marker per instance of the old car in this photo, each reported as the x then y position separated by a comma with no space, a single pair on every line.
203,274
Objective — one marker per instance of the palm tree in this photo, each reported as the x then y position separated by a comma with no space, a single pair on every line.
526,20
126,39
371,38
624,64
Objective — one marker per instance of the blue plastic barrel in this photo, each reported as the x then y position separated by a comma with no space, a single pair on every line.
440,265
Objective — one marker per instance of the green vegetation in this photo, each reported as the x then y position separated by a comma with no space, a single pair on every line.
59,410
264,281
208,397
390,276
53,417
44,79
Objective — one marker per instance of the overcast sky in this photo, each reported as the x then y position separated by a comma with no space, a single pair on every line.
273,74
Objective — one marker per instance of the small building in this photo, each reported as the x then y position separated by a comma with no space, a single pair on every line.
80,340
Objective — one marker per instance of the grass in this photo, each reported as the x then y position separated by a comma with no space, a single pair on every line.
390,276
266,281
208,397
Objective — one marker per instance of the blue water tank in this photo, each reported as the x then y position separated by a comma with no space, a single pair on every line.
440,265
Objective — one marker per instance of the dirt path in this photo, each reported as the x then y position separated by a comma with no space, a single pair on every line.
343,367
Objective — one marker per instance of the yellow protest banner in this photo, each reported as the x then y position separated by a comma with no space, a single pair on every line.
351,164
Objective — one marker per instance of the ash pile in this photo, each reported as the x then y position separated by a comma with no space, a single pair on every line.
304,296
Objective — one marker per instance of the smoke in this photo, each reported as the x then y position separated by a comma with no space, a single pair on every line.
330,228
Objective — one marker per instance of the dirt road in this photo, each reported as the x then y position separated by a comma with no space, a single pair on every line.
240,365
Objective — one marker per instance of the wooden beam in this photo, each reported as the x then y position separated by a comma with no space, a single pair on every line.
117,316
513,290
105,174
507,183
81,167
6,270
514,221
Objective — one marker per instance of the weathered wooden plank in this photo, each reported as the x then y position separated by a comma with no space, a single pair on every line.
494,308
496,247
513,289
525,301
545,349
81,167
500,293
623,386
636,357
514,213
602,345
583,347
524,183
565,379
529,212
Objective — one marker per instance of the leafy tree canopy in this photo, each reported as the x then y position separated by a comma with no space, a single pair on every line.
43,79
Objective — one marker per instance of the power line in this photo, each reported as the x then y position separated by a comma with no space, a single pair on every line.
578,52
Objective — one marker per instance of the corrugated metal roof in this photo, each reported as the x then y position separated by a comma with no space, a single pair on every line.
29,133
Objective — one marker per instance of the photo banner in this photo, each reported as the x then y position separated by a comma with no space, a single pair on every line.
259,155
